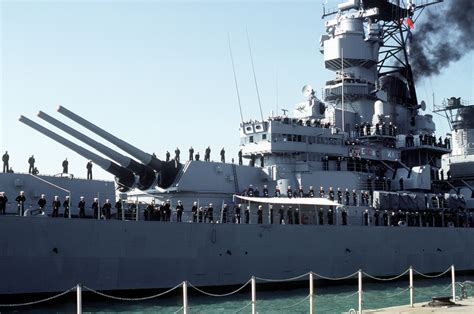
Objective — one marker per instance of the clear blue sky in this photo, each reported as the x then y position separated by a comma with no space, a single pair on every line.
158,74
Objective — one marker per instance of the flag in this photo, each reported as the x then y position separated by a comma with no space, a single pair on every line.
410,23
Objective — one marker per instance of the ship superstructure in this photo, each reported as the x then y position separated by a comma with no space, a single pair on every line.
361,163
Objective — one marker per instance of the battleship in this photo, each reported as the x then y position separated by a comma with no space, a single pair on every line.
354,180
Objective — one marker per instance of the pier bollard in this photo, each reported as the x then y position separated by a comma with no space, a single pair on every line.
411,286
360,291
79,298
453,283
254,296
311,292
185,297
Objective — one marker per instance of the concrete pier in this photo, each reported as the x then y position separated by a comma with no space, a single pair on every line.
464,306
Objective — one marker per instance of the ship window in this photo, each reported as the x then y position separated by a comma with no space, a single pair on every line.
264,136
251,139
258,127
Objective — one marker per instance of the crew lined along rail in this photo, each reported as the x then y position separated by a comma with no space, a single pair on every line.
253,282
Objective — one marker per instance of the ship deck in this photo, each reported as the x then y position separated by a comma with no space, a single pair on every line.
464,306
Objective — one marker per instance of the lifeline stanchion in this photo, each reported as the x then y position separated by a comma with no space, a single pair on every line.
411,286
453,282
254,296
311,292
79,298
185,297
360,291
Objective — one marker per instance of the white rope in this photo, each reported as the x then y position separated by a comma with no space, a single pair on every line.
281,280
432,276
38,301
219,295
131,299
386,279
336,278
291,306
243,308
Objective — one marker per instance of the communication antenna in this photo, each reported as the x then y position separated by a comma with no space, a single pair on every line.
342,89
276,85
235,79
254,76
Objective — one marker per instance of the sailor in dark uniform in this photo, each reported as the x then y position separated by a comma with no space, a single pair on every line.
331,193
321,192
194,210
222,155
200,214
300,191
297,216
210,213
42,202
3,202
237,211
256,192
240,157
168,155
191,153
82,205
89,170
197,156
354,198
65,166
348,196
149,213
362,198
168,210
265,191
260,215
31,162
247,214
270,214
281,213
330,216
225,210
177,152
385,218
311,191
20,199
207,155
66,205
118,207
56,204
5,159
179,211
344,217
321,216
339,195
157,212
250,190
277,191
95,207
106,209
289,192
289,214
376,217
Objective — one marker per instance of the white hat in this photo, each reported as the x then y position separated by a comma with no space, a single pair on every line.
107,200
42,195
82,197
179,202
55,197
95,199
195,203
210,204
22,192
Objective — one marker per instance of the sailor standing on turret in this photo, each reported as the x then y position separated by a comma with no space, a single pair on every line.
5,159
89,170
207,155
168,155
56,204
31,162
177,152
222,155
191,153
82,205
65,165
240,158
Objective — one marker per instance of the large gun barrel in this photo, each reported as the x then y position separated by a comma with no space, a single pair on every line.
125,178
146,174
167,170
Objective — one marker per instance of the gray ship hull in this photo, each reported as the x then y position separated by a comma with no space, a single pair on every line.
50,255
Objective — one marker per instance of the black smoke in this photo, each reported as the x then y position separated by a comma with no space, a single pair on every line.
443,36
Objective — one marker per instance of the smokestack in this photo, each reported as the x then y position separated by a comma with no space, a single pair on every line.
443,37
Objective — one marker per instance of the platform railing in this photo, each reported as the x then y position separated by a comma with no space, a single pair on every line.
253,282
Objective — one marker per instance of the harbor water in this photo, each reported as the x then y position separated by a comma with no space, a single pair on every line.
278,298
